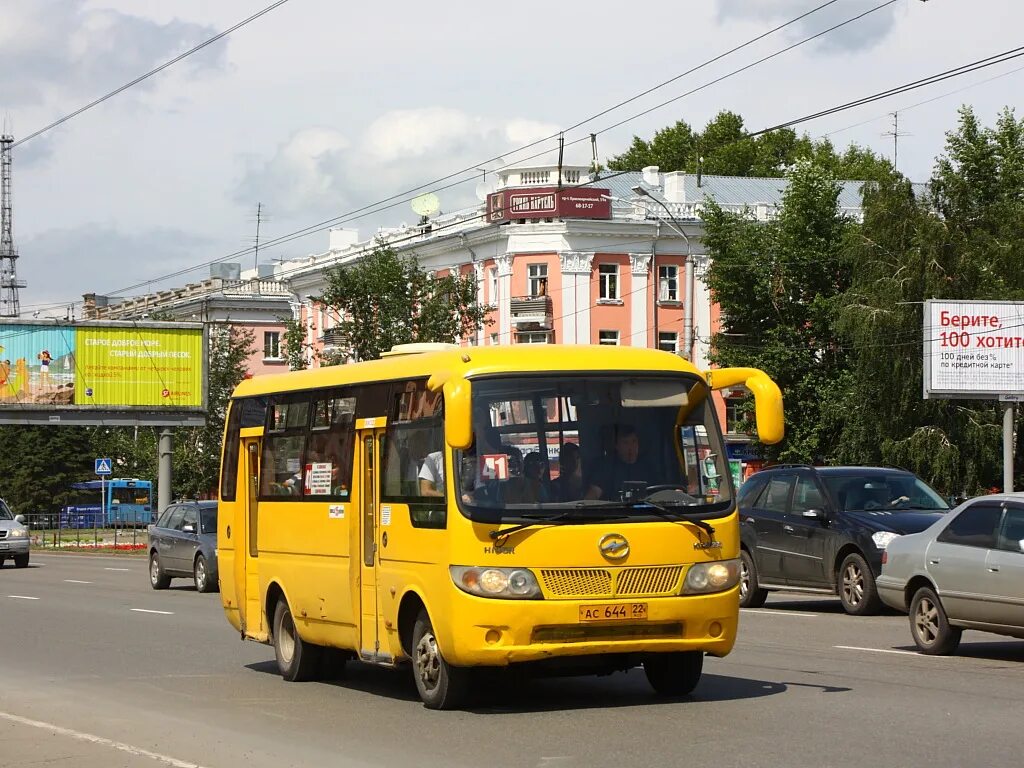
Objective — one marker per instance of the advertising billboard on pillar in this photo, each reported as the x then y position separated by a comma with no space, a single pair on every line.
100,367
548,203
973,348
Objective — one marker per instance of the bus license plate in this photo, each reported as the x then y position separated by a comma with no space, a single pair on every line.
614,612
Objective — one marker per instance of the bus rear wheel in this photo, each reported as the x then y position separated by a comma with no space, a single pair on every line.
296,659
674,674
440,685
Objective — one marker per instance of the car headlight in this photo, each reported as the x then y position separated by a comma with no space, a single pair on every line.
703,578
882,539
514,583
19,533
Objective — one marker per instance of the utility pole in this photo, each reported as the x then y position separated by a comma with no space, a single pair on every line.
895,133
10,305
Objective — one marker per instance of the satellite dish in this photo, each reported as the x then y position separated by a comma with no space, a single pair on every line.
484,188
426,204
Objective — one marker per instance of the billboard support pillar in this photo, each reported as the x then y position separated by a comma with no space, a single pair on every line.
166,453
1009,411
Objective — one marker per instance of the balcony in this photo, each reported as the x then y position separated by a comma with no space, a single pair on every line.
531,312
334,339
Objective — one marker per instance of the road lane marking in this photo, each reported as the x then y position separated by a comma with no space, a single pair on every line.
22,597
146,610
77,581
879,650
81,736
780,613
117,569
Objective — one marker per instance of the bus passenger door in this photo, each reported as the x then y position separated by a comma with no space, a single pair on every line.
369,446
247,577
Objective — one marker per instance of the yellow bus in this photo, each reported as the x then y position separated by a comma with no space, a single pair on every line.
553,508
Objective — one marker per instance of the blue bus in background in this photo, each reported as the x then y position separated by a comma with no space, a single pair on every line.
127,502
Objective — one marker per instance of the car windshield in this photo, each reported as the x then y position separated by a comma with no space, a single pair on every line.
883,491
208,519
602,442
5,512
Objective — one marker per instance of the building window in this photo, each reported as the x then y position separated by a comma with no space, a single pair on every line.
272,345
610,338
668,341
533,337
609,276
492,285
494,339
538,279
733,417
668,283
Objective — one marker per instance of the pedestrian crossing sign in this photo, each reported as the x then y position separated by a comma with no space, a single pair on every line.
103,466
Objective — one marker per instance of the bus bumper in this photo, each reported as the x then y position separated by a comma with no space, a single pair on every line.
494,632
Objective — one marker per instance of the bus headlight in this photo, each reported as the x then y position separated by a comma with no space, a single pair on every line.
495,582
703,578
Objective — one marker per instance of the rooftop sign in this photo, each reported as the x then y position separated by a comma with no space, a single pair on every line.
548,203
973,349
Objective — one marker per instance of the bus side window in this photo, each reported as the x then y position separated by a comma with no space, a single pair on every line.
284,445
229,461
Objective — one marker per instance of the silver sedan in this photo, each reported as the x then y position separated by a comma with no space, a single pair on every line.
964,572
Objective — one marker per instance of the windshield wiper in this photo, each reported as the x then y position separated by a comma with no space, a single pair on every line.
669,514
504,533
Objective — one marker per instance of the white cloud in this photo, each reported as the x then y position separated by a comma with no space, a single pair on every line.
60,49
864,33
320,169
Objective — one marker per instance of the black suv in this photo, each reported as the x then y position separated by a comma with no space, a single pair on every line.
824,529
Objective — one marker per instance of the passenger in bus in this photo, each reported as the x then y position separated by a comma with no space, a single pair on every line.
568,486
431,474
527,481
622,466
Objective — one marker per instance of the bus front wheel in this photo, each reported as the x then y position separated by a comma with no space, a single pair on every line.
296,659
440,685
674,674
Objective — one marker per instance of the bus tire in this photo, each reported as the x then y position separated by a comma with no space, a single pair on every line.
296,659
158,579
674,674
439,684
21,561
201,573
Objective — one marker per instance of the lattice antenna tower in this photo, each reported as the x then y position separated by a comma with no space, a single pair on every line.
9,282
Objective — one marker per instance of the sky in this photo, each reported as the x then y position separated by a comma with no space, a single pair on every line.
320,108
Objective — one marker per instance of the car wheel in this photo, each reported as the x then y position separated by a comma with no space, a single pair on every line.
440,685
674,674
930,626
202,575
21,561
857,587
751,596
1,562
157,578
296,659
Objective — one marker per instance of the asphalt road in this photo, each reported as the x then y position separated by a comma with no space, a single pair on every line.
99,671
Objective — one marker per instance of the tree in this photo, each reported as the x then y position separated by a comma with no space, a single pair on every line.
294,343
962,240
778,285
386,299
728,150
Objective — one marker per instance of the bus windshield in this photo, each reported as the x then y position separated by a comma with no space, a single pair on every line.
629,443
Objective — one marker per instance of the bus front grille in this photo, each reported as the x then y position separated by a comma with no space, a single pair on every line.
577,582
618,582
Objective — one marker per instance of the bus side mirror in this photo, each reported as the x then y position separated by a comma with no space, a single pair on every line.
458,413
767,398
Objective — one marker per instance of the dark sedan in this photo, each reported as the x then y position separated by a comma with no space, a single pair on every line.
183,543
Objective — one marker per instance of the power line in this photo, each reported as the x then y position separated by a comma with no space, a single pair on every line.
380,206
149,74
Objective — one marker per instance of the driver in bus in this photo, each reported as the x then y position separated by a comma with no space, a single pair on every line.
622,466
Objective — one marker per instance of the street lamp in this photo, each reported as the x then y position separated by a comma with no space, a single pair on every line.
641,191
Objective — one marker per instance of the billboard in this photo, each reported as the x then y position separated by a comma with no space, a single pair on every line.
974,349
549,202
102,372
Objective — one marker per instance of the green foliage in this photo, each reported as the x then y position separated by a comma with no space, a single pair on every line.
962,241
387,299
777,284
728,150
294,343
